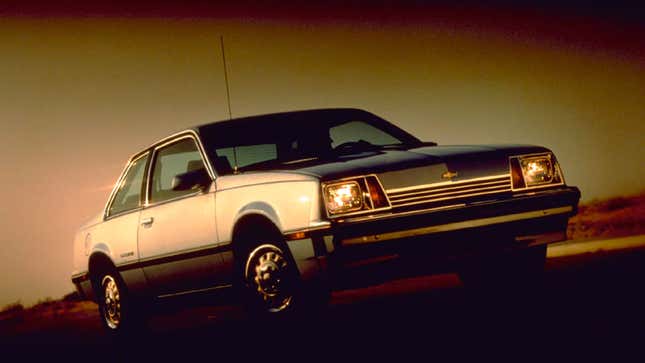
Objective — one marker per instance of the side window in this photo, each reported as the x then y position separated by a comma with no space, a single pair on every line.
169,161
129,193
358,130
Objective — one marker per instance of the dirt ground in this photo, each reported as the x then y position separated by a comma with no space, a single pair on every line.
588,302
613,217
591,303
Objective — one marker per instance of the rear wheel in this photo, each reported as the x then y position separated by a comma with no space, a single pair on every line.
117,309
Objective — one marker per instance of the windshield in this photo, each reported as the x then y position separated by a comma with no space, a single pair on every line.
270,141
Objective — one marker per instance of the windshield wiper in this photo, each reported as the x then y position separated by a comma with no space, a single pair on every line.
362,145
353,146
408,145
395,146
301,160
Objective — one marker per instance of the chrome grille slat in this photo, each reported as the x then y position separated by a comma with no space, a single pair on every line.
452,190
455,194
449,191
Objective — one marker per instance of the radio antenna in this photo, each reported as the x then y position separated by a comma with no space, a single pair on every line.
228,92
228,97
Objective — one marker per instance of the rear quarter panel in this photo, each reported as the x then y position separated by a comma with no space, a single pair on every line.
116,238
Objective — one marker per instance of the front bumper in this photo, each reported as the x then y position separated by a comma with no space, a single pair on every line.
427,238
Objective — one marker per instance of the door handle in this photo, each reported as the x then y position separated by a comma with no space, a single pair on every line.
147,221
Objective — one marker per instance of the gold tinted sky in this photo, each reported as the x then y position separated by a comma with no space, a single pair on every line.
78,96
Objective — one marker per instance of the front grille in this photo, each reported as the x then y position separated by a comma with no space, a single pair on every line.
447,193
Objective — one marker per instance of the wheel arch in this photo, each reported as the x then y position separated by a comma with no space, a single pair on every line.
251,225
259,208
99,262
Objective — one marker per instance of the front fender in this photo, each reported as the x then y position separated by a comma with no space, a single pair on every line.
259,208
288,205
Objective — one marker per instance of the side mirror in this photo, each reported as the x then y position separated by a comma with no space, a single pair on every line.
198,178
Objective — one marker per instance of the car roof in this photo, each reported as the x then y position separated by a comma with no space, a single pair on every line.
288,115
310,114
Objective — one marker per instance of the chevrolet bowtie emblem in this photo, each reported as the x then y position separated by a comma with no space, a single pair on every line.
449,175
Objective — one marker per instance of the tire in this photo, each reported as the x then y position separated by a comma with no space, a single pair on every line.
271,283
119,314
514,271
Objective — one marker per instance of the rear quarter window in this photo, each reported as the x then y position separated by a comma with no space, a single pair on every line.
128,196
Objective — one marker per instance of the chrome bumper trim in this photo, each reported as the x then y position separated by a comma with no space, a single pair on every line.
313,226
399,214
80,277
456,225
540,239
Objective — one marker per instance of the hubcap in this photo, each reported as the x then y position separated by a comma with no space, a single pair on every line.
112,302
267,272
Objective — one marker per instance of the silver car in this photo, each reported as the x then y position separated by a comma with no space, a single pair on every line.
280,209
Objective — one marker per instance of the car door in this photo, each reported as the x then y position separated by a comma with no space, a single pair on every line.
119,230
178,243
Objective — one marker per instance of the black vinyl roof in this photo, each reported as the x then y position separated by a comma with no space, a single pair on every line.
320,114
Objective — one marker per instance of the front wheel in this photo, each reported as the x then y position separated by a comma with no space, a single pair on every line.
271,279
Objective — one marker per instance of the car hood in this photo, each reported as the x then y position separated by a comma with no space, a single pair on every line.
424,165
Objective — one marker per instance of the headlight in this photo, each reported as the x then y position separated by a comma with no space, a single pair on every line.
355,195
343,197
535,170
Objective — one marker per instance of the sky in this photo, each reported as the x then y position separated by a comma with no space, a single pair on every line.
82,89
